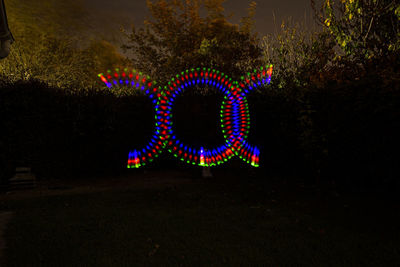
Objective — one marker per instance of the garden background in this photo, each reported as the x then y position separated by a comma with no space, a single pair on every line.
330,116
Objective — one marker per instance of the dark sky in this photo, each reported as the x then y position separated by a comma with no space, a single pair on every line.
108,14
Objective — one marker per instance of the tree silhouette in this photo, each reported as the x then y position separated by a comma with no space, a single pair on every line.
177,37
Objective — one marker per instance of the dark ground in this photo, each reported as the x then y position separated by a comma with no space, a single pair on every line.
176,218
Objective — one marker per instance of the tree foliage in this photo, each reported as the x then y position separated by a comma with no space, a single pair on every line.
177,37
299,55
363,29
50,45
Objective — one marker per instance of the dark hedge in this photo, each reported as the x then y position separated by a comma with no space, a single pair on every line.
344,134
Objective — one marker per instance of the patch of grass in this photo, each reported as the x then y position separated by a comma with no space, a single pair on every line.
224,221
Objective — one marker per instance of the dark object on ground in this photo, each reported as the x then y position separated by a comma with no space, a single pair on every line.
23,179
6,37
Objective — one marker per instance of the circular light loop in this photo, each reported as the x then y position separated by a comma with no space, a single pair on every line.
235,115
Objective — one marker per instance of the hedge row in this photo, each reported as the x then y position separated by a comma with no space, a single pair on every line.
345,134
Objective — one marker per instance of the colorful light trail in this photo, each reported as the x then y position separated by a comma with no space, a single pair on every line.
235,115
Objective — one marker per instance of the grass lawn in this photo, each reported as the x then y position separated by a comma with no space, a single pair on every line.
174,219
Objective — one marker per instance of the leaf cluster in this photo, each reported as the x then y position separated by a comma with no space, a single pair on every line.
50,46
363,29
299,55
178,36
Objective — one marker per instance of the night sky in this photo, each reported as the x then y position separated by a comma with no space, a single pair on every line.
108,15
